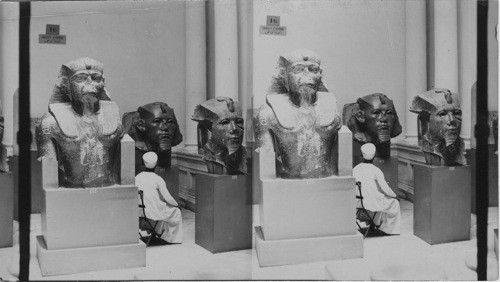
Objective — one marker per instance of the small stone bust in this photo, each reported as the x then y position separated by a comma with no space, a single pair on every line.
439,122
154,128
82,129
373,119
223,121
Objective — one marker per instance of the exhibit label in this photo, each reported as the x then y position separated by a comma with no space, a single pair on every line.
52,35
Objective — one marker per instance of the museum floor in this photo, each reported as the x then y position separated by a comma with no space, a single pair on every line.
404,256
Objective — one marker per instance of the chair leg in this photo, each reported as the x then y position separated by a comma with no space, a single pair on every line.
367,230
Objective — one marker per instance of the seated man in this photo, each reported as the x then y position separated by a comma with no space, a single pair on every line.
377,195
160,205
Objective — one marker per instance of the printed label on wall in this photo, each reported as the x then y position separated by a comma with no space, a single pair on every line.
273,21
273,30
273,27
52,39
52,35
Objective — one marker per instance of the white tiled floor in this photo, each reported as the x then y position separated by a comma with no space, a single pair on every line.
413,256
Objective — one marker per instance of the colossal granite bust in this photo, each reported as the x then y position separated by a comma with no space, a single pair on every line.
373,119
439,122
82,129
299,121
154,128
223,121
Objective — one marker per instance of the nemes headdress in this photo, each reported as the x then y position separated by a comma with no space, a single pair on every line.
279,82
61,89
210,110
433,99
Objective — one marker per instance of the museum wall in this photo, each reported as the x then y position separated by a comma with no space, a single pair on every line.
141,44
362,45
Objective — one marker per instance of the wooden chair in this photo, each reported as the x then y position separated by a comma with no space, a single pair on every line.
366,216
147,224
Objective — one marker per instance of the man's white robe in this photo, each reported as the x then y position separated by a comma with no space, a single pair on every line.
378,197
160,206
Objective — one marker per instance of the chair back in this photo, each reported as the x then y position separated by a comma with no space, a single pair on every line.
142,207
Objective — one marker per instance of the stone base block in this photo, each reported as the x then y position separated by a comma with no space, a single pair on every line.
36,182
294,251
6,209
492,176
77,217
442,206
307,208
78,260
223,212
171,177
495,232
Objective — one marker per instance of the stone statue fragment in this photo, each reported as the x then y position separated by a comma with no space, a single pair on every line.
299,121
3,153
154,128
373,119
82,129
439,122
221,119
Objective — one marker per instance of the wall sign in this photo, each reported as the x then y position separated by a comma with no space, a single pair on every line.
273,27
52,35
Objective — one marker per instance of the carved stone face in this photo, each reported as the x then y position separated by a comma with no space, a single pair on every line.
86,88
227,131
159,128
379,119
445,122
304,77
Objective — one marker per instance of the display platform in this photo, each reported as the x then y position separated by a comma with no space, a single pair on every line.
223,212
77,260
495,232
75,218
6,209
171,177
304,250
307,220
492,176
442,203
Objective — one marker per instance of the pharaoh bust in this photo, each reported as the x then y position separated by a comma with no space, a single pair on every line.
82,129
439,122
299,120
373,119
154,128
223,121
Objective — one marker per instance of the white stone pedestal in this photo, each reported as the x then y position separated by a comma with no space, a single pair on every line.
89,229
307,220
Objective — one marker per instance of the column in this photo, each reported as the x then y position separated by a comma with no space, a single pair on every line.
445,44
467,63
245,64
196,69
416,61
224,25
9,67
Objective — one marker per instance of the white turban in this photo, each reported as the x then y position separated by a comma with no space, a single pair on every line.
368,150
150,159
